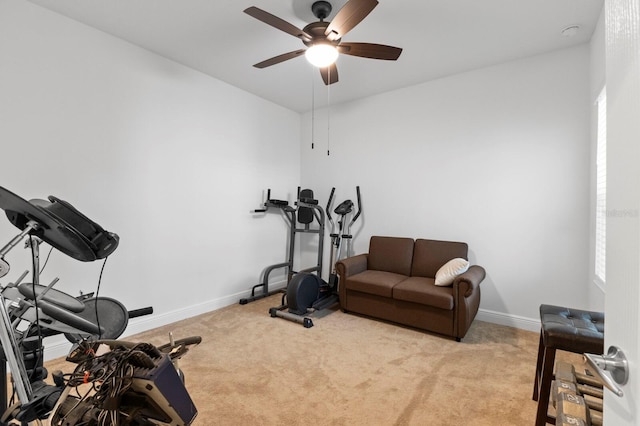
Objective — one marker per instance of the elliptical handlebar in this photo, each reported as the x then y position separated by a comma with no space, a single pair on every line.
355,217
328,209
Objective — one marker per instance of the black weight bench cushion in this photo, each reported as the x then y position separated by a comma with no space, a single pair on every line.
572,330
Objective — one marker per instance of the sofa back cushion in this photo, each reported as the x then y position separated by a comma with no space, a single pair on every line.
390,254
430,255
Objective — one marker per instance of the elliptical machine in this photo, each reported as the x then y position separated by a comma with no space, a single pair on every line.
308,292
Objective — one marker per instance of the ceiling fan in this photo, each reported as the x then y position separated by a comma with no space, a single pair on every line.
326,37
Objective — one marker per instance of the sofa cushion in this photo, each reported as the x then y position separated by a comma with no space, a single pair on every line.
430,255
379,283
424,291
390,254
450,270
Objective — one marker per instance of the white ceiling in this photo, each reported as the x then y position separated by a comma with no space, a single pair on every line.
439,38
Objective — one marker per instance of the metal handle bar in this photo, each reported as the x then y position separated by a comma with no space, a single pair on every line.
359,208
328,209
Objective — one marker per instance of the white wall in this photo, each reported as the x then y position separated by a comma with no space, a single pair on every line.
173,161
498,158
168,158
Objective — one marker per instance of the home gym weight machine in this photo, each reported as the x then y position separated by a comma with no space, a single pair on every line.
307,292
305,213
30,311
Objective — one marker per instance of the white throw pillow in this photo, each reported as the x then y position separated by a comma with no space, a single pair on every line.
450,270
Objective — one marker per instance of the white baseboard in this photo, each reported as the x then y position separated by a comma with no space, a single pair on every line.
58,346
509,320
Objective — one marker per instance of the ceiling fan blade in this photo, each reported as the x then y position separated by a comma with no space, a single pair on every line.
348,17
370,50
276,22
329,74
279,58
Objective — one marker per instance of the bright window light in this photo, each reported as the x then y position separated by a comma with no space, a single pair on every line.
601,190
321,55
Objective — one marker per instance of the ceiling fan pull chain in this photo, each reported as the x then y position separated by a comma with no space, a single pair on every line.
313,114
328,112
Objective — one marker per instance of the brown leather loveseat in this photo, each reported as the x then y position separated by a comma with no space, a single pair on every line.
396,281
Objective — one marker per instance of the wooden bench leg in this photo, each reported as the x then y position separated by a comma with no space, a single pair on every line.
544,388
536,382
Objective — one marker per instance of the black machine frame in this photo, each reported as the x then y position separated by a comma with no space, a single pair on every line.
306,212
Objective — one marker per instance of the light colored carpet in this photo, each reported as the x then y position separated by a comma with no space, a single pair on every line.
252,369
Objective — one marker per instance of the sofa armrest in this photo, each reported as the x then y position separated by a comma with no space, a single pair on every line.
346,268
351,265
465,284
466,294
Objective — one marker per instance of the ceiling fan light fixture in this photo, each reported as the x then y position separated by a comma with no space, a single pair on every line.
321,55
323,40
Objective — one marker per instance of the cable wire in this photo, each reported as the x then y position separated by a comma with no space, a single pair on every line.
46,260
96,298
35,278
